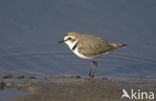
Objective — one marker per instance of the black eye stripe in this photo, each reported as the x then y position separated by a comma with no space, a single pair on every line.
69,38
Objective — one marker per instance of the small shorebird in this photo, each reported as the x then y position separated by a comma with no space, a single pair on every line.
89,47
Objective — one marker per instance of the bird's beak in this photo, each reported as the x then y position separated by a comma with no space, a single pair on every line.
61,41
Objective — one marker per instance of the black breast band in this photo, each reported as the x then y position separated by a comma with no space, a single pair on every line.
74,47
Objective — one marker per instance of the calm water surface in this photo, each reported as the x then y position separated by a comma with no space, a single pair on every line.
9,94
30,30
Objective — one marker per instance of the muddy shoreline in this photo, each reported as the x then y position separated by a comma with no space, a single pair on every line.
72,88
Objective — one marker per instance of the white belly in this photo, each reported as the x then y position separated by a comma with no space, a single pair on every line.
87,57
80,55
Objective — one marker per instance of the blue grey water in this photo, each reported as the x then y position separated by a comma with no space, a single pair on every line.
30,30
11,93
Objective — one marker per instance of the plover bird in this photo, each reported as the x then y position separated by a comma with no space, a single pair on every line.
89,47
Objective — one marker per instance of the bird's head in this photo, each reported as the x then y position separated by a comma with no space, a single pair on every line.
70,39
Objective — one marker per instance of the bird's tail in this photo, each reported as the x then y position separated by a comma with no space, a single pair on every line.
118,45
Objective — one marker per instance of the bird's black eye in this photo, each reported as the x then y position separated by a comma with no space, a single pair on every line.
69,38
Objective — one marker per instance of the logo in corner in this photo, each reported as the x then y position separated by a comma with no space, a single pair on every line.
125,94
137,94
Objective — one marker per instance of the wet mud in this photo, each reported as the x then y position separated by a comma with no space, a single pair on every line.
73,88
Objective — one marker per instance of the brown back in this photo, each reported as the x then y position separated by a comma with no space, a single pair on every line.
90,45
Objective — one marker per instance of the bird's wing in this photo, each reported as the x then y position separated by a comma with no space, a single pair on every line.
91,45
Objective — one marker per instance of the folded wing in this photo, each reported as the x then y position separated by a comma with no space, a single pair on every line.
91,45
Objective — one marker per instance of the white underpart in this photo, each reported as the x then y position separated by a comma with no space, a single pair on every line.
88,57
82,56
72,44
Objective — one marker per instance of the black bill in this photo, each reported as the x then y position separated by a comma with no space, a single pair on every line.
61,41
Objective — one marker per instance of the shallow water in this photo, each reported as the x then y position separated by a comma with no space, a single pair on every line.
30,30
10,93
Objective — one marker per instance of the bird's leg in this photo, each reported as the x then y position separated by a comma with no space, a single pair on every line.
92,71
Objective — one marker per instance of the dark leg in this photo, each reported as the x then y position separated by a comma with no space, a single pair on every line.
92,71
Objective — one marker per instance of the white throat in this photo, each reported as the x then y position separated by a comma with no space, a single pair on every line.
70,44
